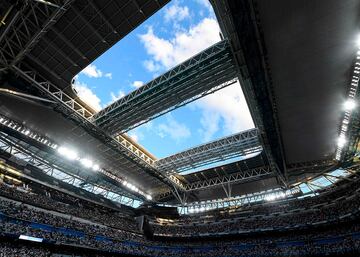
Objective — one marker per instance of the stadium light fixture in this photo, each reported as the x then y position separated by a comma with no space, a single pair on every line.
68,153
30,238
86,162
349,105
96,167
270,197
341,141
149,197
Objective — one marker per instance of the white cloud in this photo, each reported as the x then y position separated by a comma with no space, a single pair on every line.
137,83
170,52
108,75
115,97
151,66
210,124
88,96
206,4
134,137
93,72
173,129
176,13
226,109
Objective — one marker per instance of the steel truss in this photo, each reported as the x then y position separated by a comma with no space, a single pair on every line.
27,27
16,127
75,111
226,182
237,201
242,176
303,166
23,155
237,145
203,74
254,87
81,114
23,32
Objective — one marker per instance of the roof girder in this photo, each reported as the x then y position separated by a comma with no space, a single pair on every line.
236,145
202,73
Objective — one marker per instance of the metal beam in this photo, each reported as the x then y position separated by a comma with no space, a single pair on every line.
240,26
46,146
19,152
102,16
203,74
238,201
87,23
303,166
76,112
242,176
237,145
28,27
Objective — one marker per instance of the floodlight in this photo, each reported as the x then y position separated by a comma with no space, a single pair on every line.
86,162
68,153
341,141
96,167
270,197
148,197
30,238
349,105
27,132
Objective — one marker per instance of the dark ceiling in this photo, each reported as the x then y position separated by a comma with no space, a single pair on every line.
81,34
310,47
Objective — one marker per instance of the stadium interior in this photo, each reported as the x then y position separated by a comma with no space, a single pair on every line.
74,183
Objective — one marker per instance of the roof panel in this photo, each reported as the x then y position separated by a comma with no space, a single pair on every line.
310,49
63,131
80,31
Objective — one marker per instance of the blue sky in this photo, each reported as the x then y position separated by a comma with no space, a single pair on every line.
175,33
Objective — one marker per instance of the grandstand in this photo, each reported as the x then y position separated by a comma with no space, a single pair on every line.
290,186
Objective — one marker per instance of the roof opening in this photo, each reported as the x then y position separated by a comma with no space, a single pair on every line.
177,32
